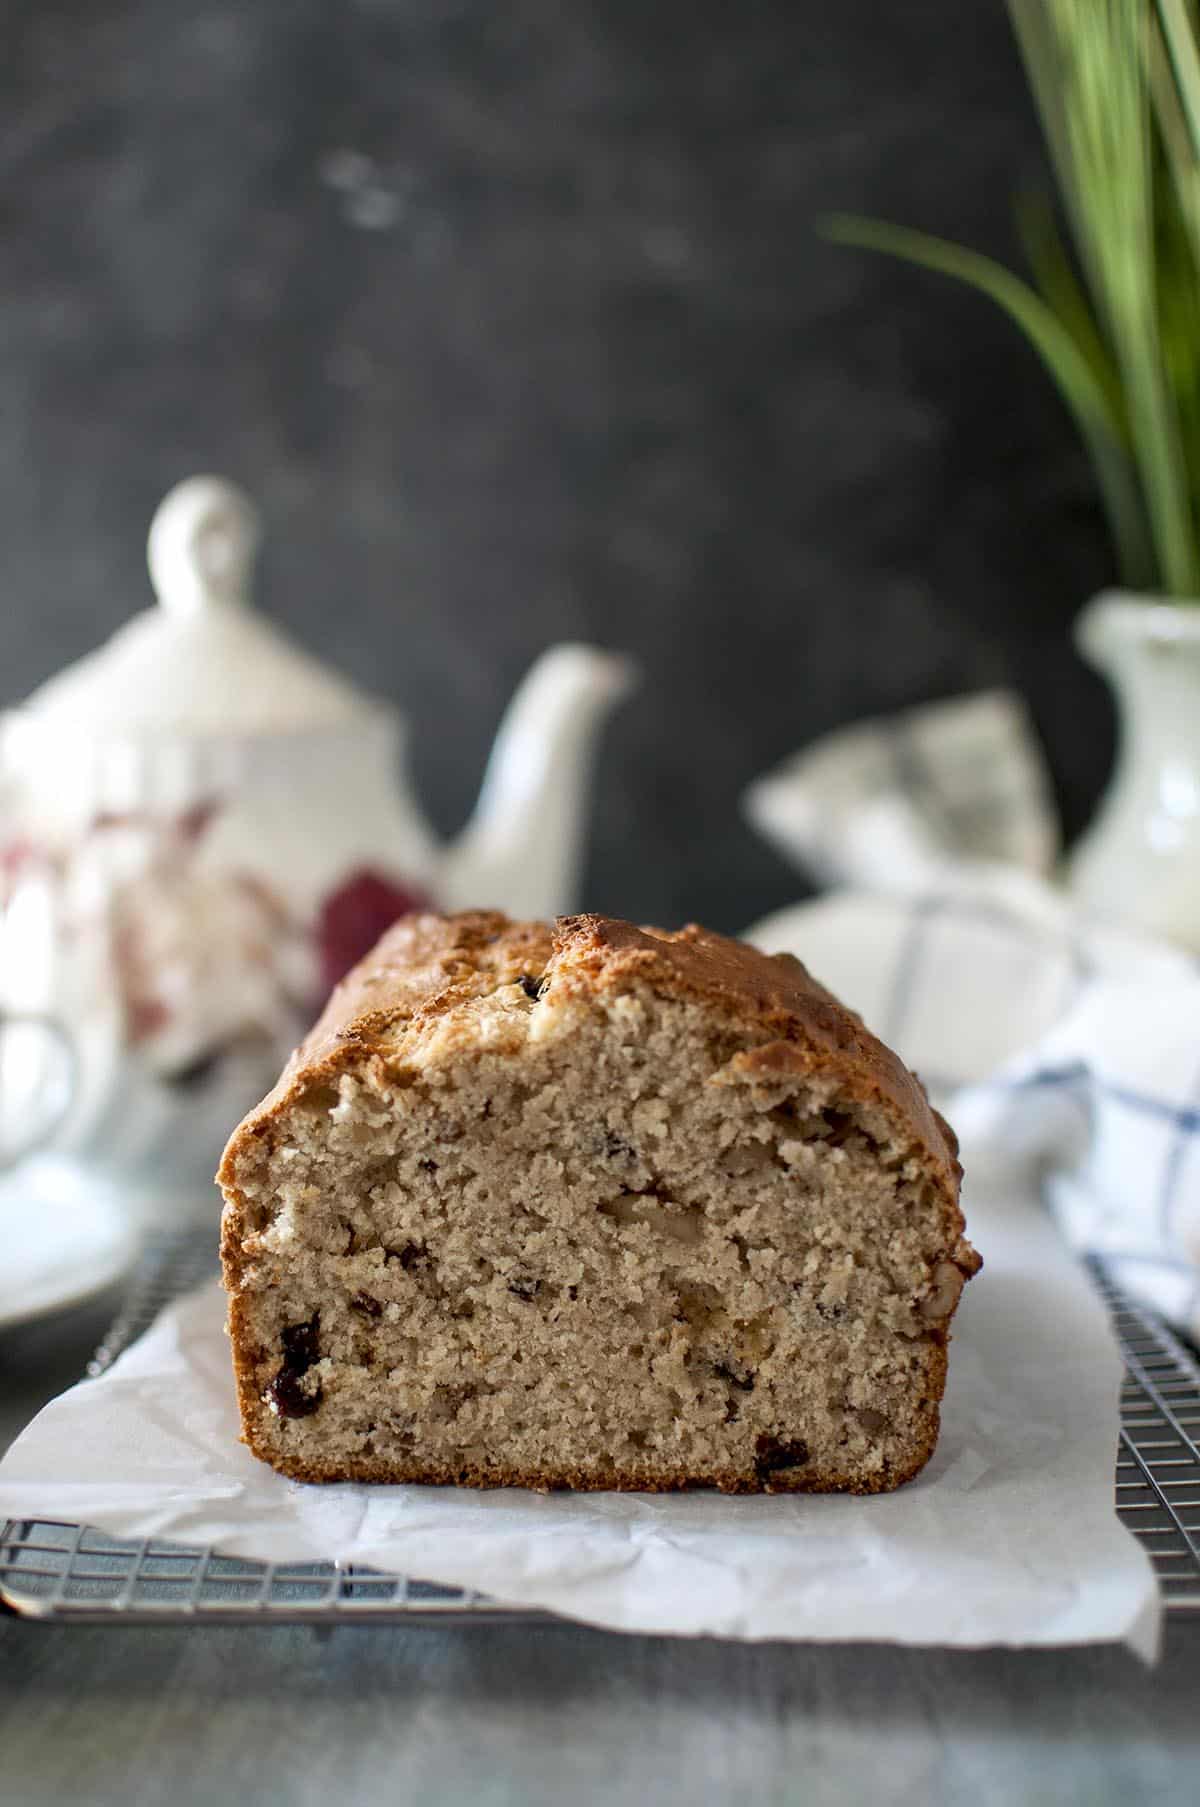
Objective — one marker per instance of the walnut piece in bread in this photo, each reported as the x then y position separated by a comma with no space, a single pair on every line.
591,1206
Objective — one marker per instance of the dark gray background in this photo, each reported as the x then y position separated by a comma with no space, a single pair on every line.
564,357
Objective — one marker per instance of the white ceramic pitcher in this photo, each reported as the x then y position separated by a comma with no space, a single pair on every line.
1139,862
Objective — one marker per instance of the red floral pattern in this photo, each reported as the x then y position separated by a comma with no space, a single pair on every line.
352,918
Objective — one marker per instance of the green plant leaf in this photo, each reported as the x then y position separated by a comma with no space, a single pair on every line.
1041,48
1179,35
1087,397
1117,88
1064,294
1089,68
1177,134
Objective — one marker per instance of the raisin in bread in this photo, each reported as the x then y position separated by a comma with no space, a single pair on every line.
591,1206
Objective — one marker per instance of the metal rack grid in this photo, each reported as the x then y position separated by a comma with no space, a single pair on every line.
1158,1452
56,1572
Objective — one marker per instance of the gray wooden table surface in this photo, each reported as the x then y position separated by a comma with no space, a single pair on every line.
548,1713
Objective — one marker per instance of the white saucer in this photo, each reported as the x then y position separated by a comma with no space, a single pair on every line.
59,1251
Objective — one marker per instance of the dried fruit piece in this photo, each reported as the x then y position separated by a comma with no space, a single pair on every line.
771,1455
287,1399
736,1373
285,1395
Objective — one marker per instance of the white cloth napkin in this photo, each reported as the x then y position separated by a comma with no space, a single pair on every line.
1066,1053
903,801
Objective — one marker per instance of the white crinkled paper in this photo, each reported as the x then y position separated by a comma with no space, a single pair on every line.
1008,1537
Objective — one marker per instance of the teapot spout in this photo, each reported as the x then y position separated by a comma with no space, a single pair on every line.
522,848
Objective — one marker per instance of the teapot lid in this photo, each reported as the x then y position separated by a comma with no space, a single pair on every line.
201,661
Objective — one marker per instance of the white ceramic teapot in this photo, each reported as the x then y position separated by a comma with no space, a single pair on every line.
201,828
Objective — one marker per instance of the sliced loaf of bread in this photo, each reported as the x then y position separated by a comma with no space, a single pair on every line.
591,1206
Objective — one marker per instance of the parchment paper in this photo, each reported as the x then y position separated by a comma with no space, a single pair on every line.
1008,1537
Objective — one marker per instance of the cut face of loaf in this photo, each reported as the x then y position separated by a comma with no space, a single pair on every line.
592,1207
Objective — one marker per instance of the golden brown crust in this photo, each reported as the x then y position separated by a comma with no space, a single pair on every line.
794,1025
427,965
421,969
578,1480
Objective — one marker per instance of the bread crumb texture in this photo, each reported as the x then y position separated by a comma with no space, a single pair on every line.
591,1206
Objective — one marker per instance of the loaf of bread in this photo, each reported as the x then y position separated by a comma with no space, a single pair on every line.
591,1206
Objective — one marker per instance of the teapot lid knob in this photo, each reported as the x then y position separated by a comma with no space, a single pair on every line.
201,546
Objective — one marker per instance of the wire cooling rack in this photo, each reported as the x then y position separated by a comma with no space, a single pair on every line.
1158,1452
55,1571
52,1571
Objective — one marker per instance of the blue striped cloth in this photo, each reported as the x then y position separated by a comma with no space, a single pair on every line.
1066,1055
